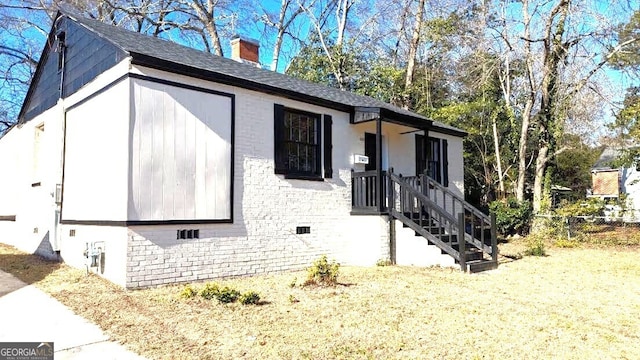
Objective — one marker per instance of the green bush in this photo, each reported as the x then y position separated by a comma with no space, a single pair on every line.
512,217
567,244
210,291
188,292
383,262
250,298
224,295
323,272
535,247
228,295
589,207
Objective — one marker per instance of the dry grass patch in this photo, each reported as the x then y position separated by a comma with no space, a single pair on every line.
573,304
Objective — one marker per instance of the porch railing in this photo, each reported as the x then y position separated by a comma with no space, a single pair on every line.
365,192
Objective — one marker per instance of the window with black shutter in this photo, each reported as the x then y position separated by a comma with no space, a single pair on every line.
328,147
297,144
434,164
432,158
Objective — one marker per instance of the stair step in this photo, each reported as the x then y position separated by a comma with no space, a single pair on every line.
481,265
433,230
474,255
424,224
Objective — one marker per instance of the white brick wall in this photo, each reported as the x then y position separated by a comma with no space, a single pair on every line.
267,209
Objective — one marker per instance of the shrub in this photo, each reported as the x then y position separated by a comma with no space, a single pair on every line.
188,292
512,217
383,262
250,298
535,247
323,272
227,295
210,291
589,207
567,244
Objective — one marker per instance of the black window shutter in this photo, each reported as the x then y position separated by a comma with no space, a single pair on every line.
279,152
445,163
421,161
328,147
318,165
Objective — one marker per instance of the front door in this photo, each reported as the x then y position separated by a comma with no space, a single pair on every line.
370,151
422,154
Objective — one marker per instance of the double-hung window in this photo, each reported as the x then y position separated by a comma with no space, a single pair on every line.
297,143
432,158
434,164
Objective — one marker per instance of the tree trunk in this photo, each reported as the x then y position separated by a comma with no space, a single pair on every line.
538,179
279,36
555,52
281,26
207,18
403,19
528,107
413,50
496,149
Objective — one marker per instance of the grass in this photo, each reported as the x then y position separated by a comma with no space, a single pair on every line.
575,303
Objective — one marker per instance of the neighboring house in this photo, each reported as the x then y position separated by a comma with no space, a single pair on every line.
612,184
153,163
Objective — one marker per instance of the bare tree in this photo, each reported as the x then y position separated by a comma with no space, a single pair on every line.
413,50
554,44
281,22
319,15
205,14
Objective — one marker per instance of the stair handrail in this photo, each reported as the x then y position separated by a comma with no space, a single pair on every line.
421,197
433,183
489,221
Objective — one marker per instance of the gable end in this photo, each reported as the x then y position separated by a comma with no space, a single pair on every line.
86,56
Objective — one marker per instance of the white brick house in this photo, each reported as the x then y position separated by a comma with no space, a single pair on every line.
179,165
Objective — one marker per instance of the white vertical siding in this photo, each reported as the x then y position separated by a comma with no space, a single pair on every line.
181,153
96,153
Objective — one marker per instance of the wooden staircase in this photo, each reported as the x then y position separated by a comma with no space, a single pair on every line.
444,220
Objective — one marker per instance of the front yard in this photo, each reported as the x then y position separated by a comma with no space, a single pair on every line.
581,303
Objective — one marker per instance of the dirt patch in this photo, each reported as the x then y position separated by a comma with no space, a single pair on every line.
572,304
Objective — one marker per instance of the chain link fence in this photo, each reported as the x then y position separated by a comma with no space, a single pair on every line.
614,228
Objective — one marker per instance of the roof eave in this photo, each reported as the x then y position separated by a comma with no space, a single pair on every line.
169,66
449,131
405,119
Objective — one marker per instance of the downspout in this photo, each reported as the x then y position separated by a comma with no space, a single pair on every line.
61,48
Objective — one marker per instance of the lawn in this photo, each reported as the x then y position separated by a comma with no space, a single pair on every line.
580,303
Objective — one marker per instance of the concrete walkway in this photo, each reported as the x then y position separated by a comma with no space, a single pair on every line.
29,315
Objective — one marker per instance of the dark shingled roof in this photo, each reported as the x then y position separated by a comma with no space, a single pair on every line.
143,47
606,158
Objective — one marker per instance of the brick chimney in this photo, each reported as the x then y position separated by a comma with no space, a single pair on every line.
245,50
